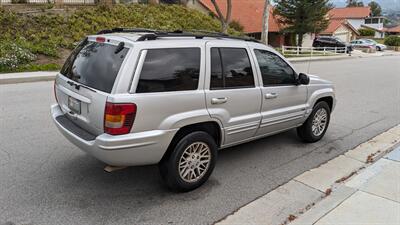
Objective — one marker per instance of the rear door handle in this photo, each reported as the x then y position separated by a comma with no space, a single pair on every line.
219,100
271,95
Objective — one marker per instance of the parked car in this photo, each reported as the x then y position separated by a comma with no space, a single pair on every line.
379,47
331,42
137,97
362,44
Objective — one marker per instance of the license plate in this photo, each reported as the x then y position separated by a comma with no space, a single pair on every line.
74,105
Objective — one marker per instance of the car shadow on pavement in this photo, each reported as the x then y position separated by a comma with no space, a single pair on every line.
83,169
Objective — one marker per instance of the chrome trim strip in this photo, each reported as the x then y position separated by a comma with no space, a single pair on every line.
282,119
242,128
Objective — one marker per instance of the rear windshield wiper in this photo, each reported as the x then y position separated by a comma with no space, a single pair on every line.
120,47
78,86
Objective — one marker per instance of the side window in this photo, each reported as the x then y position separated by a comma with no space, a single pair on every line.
274,70
230,68
171,69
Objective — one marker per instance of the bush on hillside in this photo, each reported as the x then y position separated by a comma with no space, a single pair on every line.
47,33
366,32
12,55
392,41
236,25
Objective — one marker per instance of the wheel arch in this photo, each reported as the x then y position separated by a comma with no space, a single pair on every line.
213,128
325,94
327,99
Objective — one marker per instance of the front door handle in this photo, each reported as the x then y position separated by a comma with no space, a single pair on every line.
219,100
271,95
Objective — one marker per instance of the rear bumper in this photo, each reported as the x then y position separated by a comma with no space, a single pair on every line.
134,149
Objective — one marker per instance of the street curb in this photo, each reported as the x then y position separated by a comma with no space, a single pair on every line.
325,58
26,79
343,167
330,58
14,78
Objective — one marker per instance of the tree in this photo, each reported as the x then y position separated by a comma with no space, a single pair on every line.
354,3
303,16
264,33
225,20
376,9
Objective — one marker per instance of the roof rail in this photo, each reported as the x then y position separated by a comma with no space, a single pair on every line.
154,34
126,30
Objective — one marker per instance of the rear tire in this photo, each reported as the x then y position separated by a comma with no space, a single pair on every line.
314,128
190,163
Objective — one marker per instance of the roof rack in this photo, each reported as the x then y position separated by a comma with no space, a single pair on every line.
126,30
155,34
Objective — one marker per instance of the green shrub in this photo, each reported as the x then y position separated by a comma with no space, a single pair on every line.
392,41
236,25
366,32
47,33
12,55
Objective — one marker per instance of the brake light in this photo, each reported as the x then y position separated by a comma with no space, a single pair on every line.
100,39
119,117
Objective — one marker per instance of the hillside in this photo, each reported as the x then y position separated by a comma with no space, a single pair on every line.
42,41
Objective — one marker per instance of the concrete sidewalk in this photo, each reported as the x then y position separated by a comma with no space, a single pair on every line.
370,197
357,188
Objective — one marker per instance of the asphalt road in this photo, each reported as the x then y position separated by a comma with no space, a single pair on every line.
46,180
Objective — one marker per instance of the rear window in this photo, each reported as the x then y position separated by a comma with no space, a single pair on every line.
95,64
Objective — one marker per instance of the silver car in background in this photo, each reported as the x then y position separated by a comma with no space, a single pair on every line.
378,46
133,97
362,44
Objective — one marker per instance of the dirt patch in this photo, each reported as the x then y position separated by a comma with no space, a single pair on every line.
42,59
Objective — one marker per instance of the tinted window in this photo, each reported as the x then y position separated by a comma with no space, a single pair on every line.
94,64
230,68
174,69
274,70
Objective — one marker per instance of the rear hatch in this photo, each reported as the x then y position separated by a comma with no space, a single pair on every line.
86,79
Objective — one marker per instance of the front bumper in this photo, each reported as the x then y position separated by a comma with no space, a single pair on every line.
134,149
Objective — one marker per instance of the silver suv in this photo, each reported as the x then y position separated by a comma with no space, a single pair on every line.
134,97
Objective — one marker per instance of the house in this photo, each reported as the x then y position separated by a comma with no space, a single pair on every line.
342,29
393,30
359,17
249,13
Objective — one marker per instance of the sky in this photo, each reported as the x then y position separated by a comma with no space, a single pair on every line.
385,4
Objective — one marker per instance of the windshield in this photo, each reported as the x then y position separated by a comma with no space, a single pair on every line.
370,41
94,64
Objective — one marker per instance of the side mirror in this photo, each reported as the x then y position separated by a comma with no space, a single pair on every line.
303,79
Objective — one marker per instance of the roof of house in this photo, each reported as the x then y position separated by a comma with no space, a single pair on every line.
334,24
249,13
350,13
372,28
395,29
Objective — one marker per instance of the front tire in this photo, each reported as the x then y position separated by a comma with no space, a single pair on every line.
190,163
314,128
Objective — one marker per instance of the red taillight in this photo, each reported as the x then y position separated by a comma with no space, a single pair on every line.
119,117
100,39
